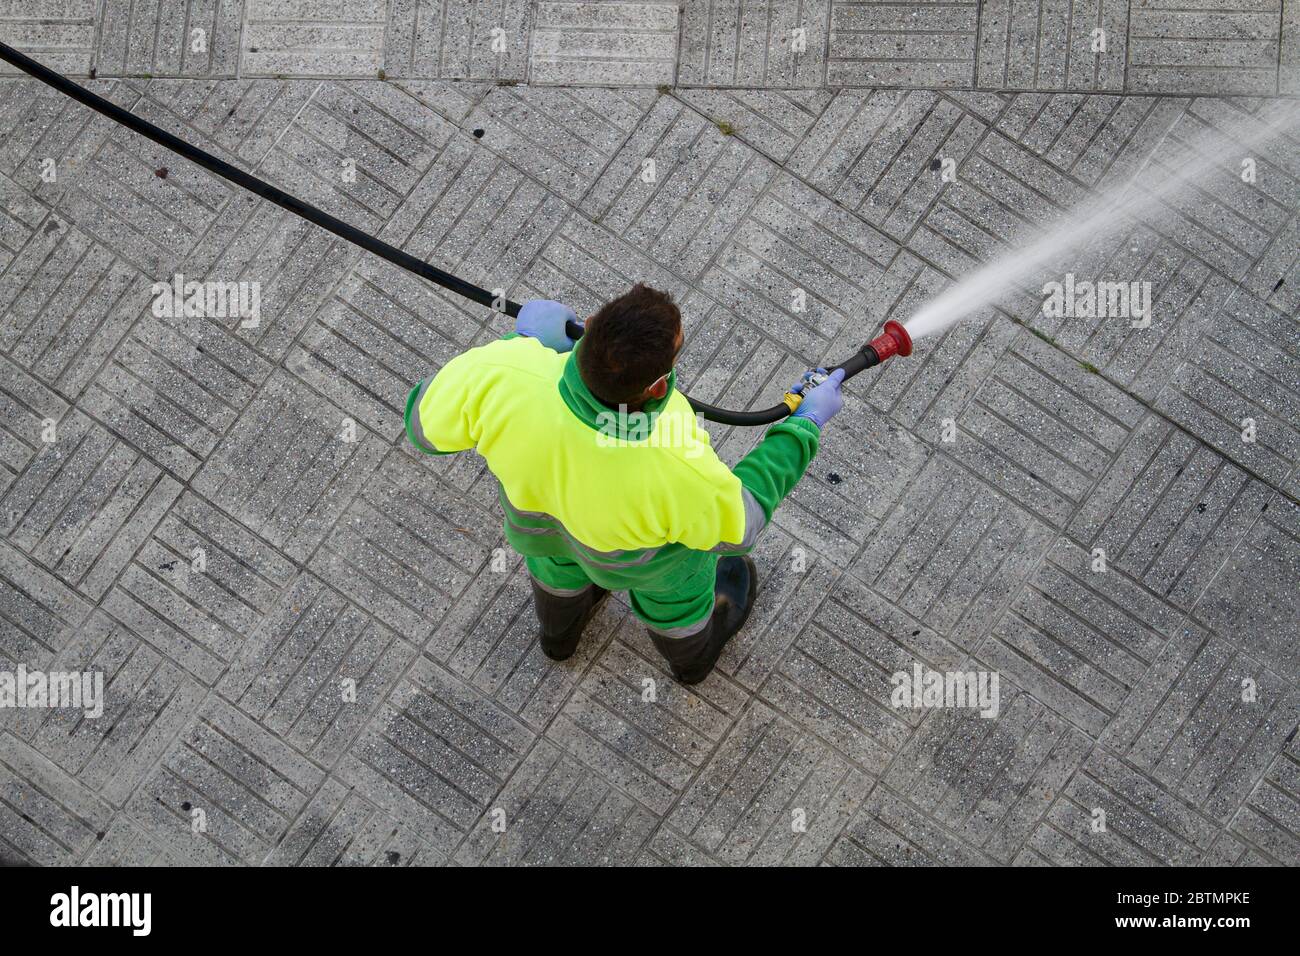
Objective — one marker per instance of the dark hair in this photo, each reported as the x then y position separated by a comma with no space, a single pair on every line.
629,344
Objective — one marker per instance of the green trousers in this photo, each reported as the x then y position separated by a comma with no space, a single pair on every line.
675,603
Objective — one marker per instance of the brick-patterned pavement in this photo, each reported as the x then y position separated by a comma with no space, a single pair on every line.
225,519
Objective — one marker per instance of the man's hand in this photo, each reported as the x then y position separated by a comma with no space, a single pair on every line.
544,320
820,403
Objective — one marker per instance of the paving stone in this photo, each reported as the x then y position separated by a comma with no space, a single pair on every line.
125,844
19,218
941,376
404,549
198,587
170,390
59,33
68,301
888,831
727,362
147,700
1078,133
1043,430
1288,79
677,188
372,343
1143,825
490,638
1267,823
603,44
990,779
26,410
85,504
47,817
139,199
478,217
770,44
836,678
795,579
769,796
855,482
286,468
41,124
1004,196
357,150
1077,639
226,792
341,828
1169,511
312,36
562,137
668,848
632,724
874,43
799,267
315,669
1250,600
1275,280
1138,354
876,153
1228,223
40,614
1228,46
171,37
294,266
585,265
951,552
245,117
772,121
1037,45
552,812
1205,722
453,100
436,756
458,39
1240,371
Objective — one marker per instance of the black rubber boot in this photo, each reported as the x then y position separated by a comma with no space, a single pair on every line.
692,658
564,618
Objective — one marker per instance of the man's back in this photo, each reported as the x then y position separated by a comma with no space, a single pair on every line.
597,499
614,482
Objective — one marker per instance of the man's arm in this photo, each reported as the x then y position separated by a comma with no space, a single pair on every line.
439,410
770,472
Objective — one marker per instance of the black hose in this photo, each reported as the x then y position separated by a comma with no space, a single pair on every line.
351,233
251,183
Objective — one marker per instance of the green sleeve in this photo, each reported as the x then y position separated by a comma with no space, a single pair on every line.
769,473
771,470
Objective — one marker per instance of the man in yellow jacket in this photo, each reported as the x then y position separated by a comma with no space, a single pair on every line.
606,478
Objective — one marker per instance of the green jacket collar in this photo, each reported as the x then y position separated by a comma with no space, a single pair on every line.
594,413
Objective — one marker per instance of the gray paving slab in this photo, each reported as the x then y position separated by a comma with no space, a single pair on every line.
318,648
184,38
771,44
1053,46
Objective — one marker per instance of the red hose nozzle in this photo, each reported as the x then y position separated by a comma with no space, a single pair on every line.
894,339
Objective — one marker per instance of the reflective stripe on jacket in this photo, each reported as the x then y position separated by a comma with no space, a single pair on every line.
618,493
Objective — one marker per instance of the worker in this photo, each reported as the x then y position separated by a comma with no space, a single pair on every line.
606,478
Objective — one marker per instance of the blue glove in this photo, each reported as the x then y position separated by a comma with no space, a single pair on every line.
821,402
544,320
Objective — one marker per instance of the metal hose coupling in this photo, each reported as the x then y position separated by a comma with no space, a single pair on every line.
894,340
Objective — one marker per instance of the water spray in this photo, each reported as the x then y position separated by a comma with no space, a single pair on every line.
893,341
1095,218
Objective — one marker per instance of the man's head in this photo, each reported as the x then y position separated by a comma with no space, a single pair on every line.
629,347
